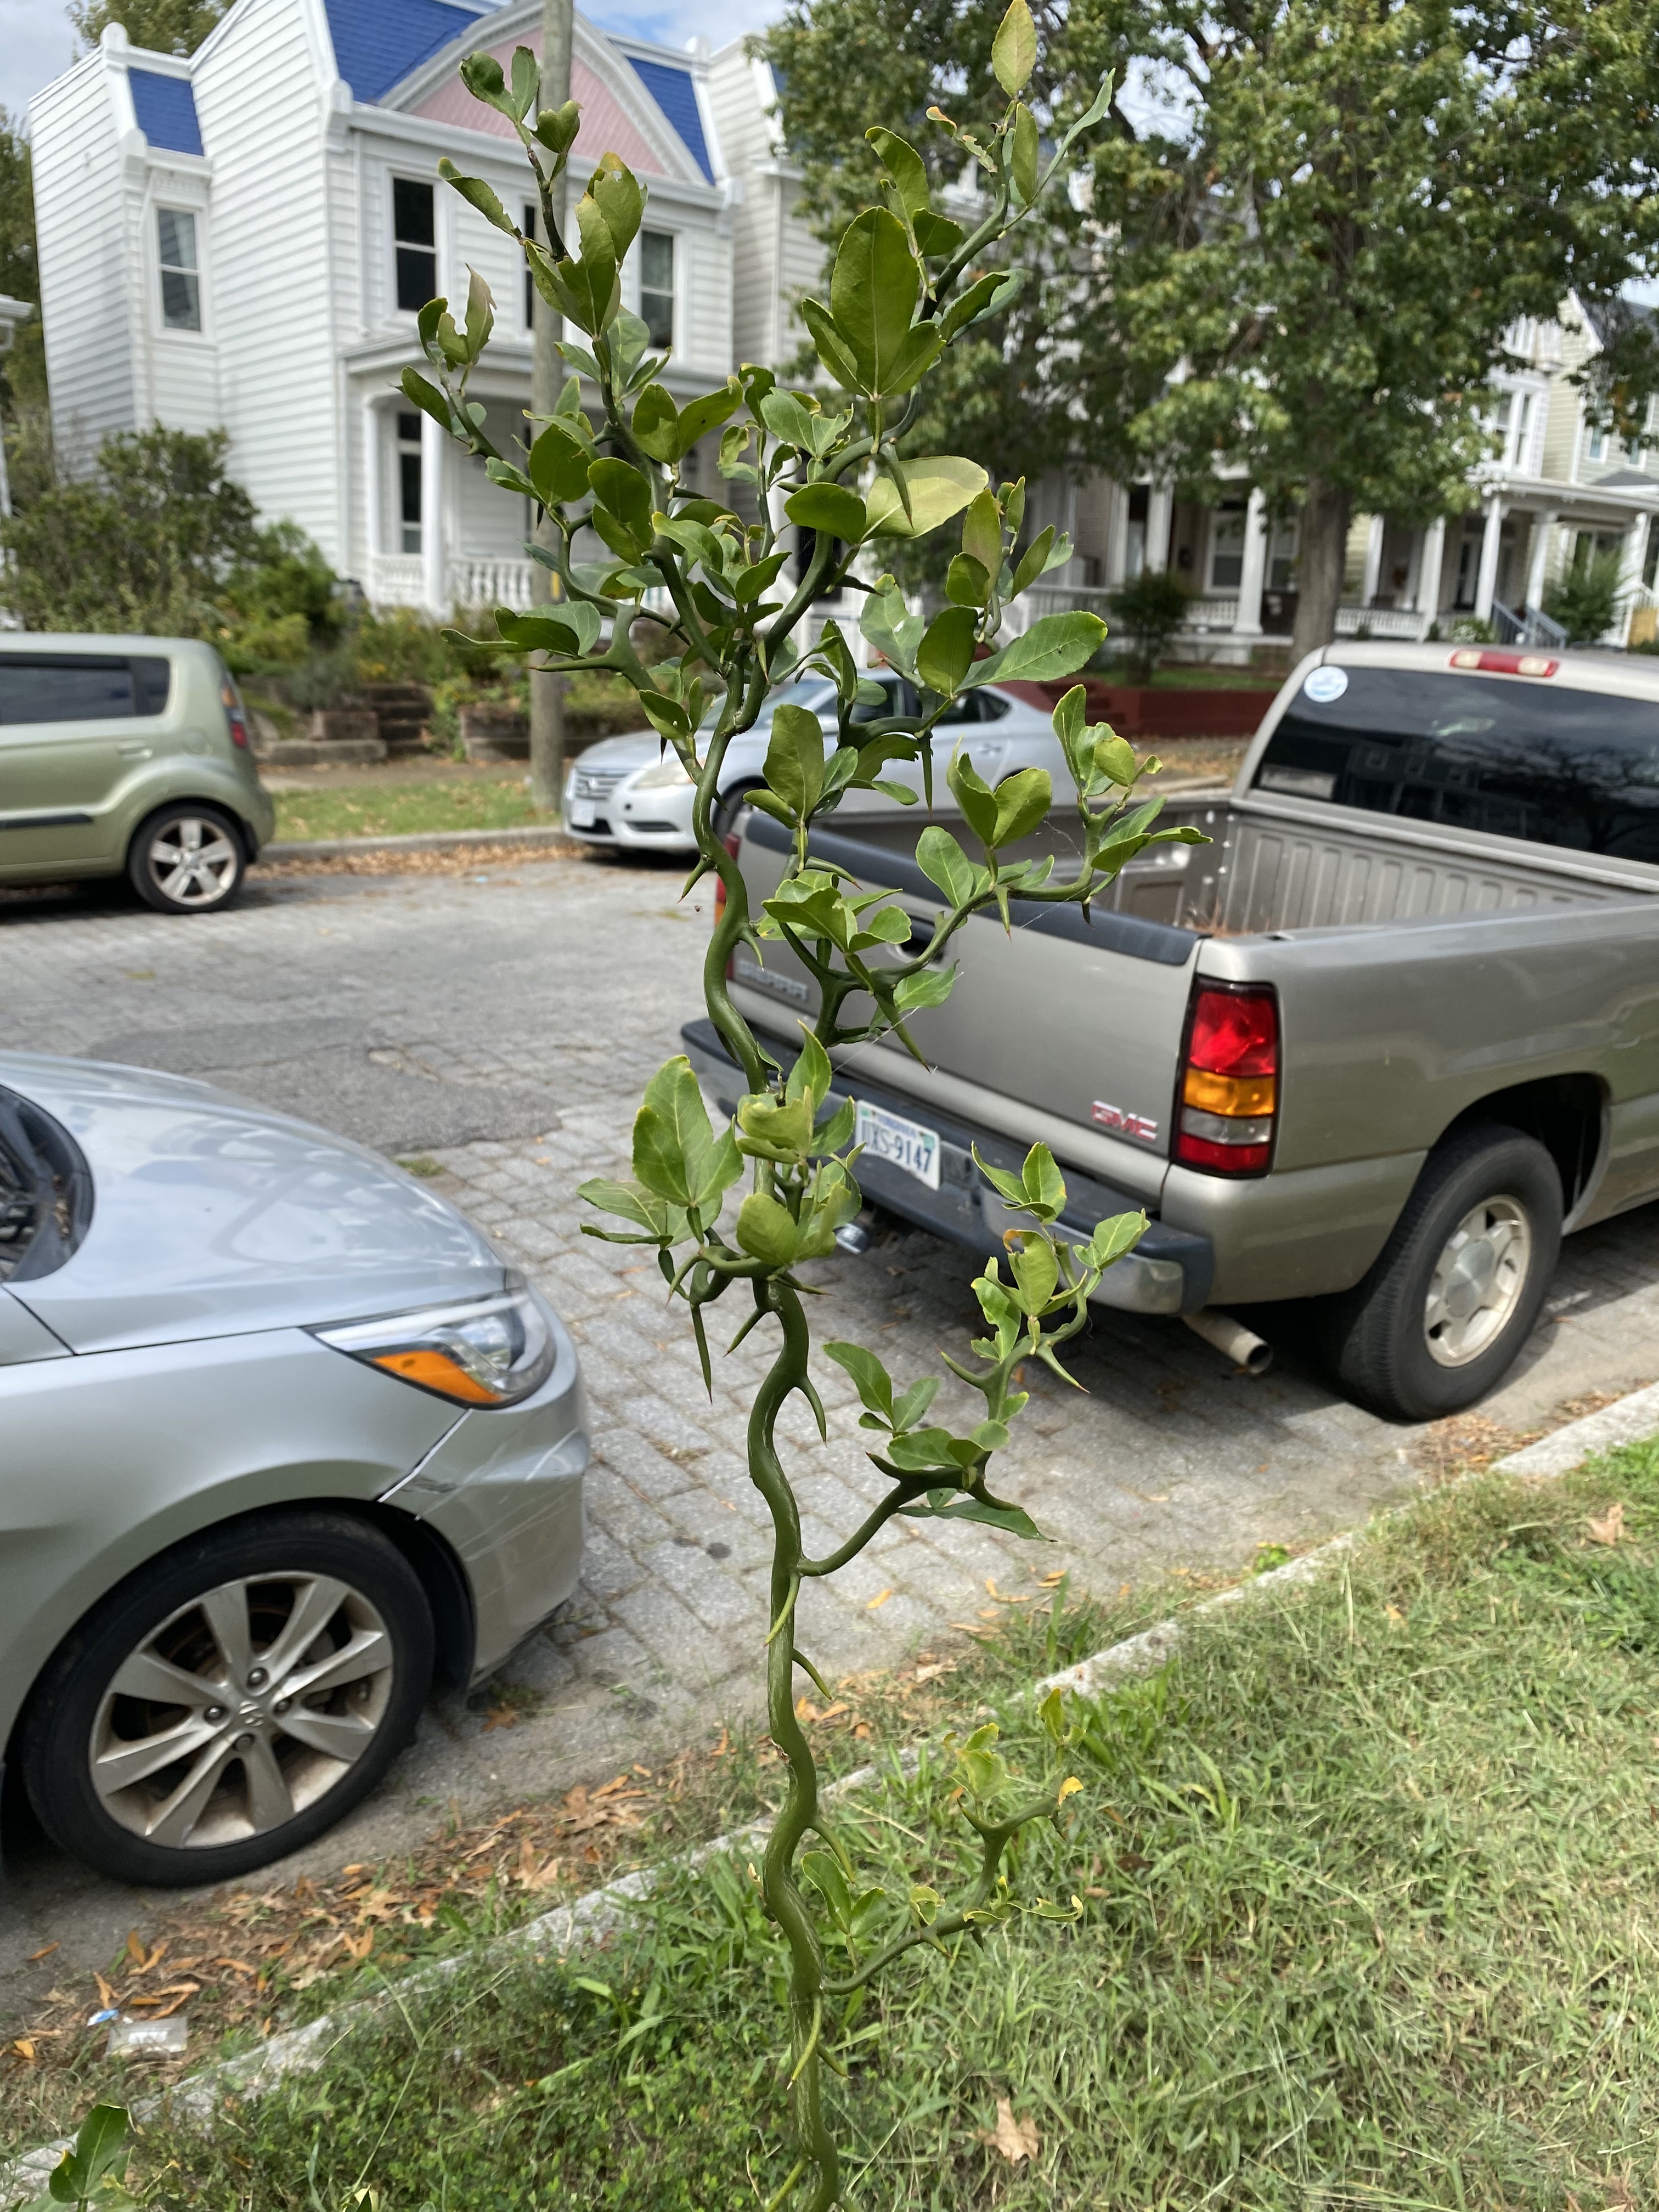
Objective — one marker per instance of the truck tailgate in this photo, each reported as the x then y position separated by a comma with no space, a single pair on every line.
1066,1029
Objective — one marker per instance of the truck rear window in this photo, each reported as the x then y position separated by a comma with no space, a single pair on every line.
1517,758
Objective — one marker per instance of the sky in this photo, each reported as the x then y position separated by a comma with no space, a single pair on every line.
36,42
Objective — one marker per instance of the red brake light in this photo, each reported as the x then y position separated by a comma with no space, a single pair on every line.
1491,663
235,714
1228,1091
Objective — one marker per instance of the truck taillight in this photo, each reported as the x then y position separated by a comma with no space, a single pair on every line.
1228,1079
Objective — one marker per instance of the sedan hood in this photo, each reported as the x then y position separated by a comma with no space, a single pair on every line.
213,1218
638,748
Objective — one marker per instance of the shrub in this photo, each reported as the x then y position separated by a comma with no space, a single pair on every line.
1586,599
1149,609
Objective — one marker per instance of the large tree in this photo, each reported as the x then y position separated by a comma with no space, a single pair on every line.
1319,254
22,371
163,26
1305,241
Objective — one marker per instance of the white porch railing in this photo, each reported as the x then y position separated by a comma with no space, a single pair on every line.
1206,616
396,580
491,579
1398,622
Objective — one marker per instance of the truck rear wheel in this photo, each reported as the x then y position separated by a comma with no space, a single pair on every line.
1454,1293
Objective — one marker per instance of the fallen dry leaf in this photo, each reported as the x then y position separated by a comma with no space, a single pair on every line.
45,1952
24,2048
1015,2139
1610,1528
880,1598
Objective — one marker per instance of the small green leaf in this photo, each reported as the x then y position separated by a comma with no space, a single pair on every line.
974,797
1022,801
946,652
425,396
943,861
657,424
983,297
1033,562
905,167
699,416
672,1139
1013,51
1036,1271
829,507
967,584
811,1074
622,490
1055,645
834,348
478,194
619,200
766,1230
1022,153
795,759
940,485
873,288
870,1378
1113,1237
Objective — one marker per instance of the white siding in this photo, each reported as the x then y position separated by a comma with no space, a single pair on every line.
775,257
259,96
85,255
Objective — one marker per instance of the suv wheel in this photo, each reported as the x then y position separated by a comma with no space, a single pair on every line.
186,859
1457,1289
230,1701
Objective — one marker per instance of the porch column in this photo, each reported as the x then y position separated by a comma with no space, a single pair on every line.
374,520
1538,557
1487,583
1117,536
1429,566
434,582
1633,553
1373,574
1158,510
1253,571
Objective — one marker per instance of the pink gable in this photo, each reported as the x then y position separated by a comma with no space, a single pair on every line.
607,128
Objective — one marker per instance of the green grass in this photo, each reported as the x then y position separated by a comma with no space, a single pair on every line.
395,809
1195,679
1368,1877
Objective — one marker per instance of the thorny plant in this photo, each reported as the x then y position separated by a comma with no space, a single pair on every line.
608,466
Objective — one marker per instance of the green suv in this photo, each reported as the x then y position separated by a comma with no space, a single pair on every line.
127,755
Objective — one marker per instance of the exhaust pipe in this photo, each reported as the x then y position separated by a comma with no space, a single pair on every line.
1232,1340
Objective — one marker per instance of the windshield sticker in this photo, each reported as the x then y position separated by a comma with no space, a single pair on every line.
1325,684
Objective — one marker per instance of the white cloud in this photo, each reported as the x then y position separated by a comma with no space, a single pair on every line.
679,20
36,44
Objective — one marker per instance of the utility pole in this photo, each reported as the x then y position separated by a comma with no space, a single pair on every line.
546,375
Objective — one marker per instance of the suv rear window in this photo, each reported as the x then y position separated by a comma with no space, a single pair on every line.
63,687
1520,759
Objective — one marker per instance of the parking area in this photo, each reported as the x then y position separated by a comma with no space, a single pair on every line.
500,1024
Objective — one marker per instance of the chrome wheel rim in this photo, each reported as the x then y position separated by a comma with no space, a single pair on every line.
193,861
240,1709
1477,1281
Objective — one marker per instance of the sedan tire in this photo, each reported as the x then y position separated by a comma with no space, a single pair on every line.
231,1700
1454,1293
187,858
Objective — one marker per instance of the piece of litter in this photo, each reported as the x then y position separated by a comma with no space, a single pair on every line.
97,2019
167,2036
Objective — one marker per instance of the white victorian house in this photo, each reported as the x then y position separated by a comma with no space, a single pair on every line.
242,240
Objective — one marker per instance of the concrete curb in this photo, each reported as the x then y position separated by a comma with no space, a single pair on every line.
422,840
590,1918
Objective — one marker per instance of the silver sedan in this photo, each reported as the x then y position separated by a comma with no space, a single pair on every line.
281,1440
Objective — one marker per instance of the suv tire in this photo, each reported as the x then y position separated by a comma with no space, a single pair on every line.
1455,1292
188,858
230,1700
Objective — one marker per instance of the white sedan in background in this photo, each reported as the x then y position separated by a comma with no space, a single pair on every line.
631,793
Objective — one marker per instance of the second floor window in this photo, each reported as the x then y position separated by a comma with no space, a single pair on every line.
417,242
181,282
1597,449
657,285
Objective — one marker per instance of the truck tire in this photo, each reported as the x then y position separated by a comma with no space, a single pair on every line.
1455,1290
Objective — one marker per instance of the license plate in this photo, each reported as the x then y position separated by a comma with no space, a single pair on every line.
582,815
902,1144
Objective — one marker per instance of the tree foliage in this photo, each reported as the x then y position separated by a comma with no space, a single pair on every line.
737,1212
157,537
161,27
1306,242
23,369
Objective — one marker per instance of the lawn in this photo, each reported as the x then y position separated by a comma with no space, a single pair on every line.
395,809
1365,1879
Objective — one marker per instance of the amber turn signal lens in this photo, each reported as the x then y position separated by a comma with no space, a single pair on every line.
437,1371
1229,1094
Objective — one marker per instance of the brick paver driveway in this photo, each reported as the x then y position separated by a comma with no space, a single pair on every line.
504,1022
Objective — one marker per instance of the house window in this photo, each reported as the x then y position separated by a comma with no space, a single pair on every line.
416,238
1597,448
1227,546
531,211
181,282
1521,434
409,481
657,285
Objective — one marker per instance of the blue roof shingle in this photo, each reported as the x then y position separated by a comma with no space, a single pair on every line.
676,94
377,42
165,109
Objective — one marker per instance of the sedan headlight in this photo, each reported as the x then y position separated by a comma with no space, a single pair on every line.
488,1352
669,769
